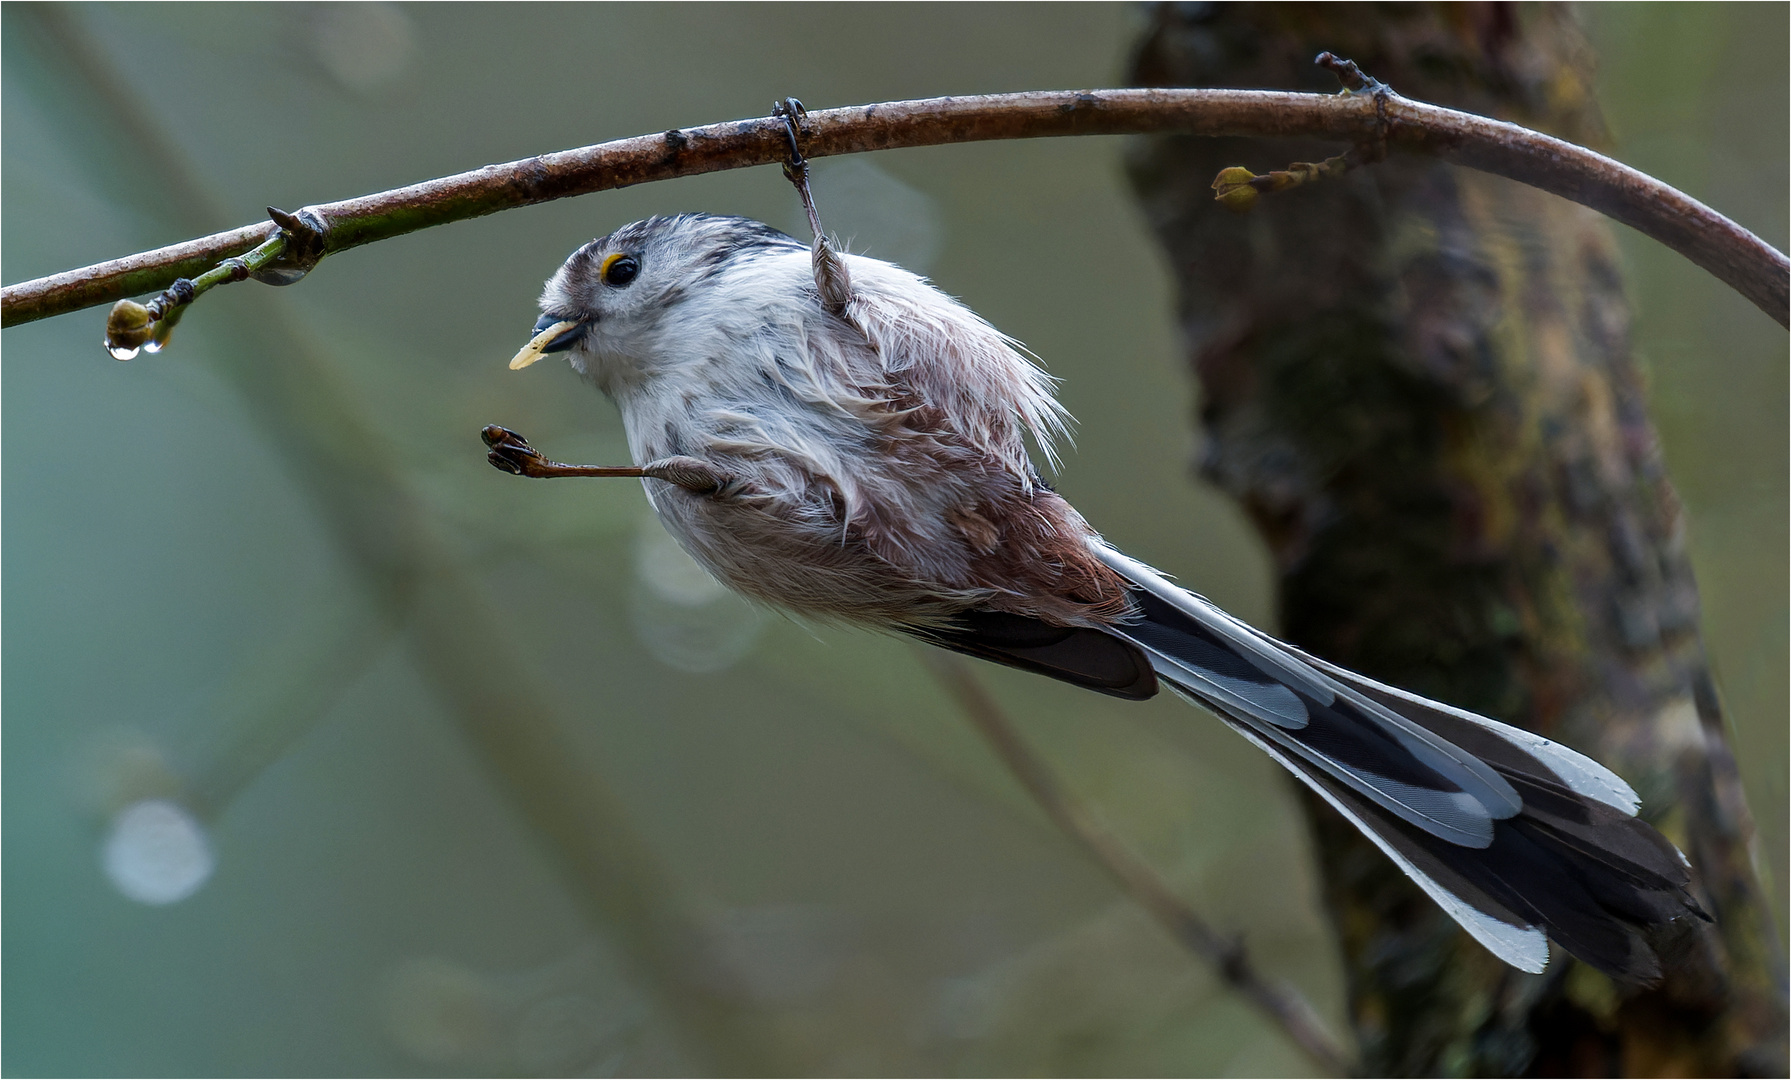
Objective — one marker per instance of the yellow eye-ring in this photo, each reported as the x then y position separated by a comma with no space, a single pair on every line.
619,269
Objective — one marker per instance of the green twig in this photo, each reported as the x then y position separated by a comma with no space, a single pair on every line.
132,326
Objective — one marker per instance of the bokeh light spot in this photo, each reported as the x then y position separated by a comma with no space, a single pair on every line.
157,852
439,1011
684,617
365,46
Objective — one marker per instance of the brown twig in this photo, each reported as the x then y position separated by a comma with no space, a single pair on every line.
1738,257
1281,1003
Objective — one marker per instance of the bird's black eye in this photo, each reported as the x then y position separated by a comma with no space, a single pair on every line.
619,270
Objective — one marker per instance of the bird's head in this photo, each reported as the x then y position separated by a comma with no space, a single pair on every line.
607,304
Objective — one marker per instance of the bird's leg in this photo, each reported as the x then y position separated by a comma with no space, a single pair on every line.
831,278
791,112
512,453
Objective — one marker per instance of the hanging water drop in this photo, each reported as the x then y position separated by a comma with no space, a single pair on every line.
128,326
276,273
154,346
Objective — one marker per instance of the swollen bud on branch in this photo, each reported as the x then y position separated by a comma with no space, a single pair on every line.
1237,187
1232,187
134,327
128,328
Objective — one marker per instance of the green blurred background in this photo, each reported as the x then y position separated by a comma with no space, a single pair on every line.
206,873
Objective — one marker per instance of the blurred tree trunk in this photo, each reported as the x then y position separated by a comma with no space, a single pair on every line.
1418,381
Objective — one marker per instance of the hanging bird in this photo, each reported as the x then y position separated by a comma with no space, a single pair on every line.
832,435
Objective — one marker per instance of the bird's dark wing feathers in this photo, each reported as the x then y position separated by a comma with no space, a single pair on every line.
1513,835
1085,657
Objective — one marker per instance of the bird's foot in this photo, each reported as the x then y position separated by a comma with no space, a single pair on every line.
512,453
832,281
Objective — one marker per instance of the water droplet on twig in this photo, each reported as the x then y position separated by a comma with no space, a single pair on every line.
128,326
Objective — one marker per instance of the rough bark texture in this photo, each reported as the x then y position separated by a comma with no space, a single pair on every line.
1418,380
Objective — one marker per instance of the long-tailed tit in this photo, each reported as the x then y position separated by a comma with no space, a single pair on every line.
833,435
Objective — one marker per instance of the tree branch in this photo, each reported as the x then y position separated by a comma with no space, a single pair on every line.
1282,1004
1736,256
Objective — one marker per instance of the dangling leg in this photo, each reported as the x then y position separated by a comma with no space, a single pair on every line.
831,278
512,453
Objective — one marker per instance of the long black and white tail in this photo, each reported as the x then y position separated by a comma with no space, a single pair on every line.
1515,836
1518,838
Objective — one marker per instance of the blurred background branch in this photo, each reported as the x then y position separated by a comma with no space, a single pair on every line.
415,580
1228,955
